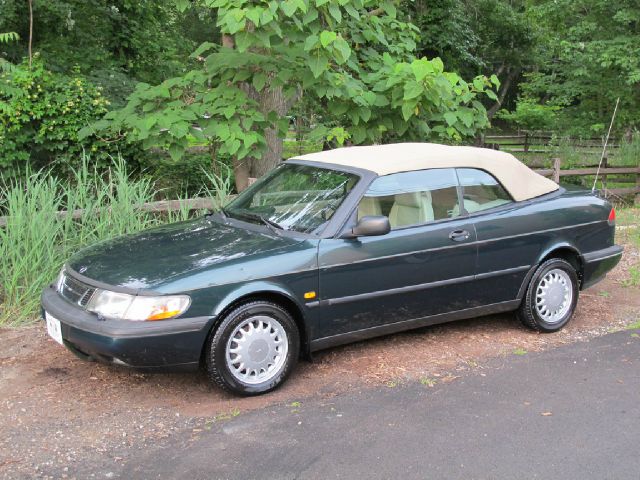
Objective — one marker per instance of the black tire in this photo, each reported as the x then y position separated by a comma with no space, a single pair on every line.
220,372
529,314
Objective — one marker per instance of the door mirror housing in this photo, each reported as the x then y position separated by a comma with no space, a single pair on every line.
369,226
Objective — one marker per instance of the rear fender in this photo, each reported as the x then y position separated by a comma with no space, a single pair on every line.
546,252
562,245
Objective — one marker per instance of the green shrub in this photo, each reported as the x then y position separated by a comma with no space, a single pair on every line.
530,115
40,115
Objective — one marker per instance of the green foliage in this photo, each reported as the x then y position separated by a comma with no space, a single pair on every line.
144,40
40,116
353,60
120,34
447,31
6,66
476,36
508,37
180,177
588,58
473,34
531,115
171,114
9,37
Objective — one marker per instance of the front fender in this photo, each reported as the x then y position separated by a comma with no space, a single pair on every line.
273,291
255,289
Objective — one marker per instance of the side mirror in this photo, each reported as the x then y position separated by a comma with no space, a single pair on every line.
369,226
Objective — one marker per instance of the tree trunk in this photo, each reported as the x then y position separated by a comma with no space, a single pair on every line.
504,89
30,30
241,173
270,100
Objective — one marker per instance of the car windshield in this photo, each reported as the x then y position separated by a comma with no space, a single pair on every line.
293,197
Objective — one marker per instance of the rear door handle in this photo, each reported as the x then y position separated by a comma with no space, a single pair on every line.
459,235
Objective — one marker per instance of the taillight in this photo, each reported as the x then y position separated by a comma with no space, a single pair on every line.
612,216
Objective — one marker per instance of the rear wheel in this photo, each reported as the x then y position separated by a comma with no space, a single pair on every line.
551,296
254,349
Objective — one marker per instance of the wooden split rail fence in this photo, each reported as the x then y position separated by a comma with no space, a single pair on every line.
542,143
607,175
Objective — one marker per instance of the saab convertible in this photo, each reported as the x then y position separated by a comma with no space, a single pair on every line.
330,248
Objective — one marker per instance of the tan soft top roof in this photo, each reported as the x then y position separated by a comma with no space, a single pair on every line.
521,182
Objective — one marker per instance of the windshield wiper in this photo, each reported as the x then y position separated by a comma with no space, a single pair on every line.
273,226
223,213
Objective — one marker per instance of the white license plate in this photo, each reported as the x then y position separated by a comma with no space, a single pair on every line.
53,327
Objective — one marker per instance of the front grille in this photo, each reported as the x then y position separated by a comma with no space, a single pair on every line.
75,291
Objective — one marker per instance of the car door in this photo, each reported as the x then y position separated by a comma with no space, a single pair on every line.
421,268
504,253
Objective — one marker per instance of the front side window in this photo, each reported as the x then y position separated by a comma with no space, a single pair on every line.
413,198
294,197
480,190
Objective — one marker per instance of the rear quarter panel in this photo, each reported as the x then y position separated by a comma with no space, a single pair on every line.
526,232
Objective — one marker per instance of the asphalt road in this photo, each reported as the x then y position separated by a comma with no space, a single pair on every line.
570,413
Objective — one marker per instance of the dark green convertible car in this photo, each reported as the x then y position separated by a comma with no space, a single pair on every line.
335,247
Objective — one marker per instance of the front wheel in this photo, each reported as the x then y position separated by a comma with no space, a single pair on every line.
254,349
551,296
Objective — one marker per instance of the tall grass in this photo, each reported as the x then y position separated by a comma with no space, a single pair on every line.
575,156
219,186
37,240
629,152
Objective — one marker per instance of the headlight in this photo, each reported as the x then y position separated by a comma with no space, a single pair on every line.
59,280
123,306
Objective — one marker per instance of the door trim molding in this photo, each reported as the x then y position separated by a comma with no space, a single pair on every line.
414,288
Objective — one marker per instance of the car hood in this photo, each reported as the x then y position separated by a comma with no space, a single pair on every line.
151,258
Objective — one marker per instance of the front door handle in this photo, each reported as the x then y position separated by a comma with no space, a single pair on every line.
459,235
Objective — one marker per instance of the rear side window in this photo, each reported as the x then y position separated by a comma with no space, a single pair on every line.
413,198
480,190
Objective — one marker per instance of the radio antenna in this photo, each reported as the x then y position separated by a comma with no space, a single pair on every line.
604,148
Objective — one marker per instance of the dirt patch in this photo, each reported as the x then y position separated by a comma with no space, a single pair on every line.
56,409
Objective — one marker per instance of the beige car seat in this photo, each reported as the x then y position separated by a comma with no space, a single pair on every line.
369,206
471,206
411,209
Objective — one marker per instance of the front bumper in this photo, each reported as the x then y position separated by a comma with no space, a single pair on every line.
598,263
168,344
